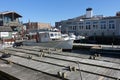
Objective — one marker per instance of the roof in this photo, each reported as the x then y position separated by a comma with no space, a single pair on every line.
111,17
95,17
9,13
5,29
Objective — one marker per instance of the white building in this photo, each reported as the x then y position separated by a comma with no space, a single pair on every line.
89,25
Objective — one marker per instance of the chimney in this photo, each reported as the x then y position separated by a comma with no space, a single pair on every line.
118,13
89,13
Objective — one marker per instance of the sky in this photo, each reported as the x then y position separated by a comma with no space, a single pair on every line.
51,11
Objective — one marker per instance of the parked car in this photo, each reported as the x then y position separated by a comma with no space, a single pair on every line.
16,44
5,55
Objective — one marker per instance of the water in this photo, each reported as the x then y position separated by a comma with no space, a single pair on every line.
88,52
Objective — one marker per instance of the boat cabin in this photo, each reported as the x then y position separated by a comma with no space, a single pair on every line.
48,36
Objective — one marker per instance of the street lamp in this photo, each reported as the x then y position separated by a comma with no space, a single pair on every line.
60,27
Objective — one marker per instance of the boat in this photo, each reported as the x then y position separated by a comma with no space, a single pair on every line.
5,43
65,36
70,36
79,38
50,39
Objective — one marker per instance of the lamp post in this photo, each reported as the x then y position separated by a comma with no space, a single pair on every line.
94,36
60,28
113,36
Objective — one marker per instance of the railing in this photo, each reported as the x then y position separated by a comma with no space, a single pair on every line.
12,23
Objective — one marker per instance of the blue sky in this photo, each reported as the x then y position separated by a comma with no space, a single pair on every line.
51,11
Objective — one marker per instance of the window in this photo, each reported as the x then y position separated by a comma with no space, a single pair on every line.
59,35
87,26
104,26
81,23
87,22
111,21
101,26
111,26
55,34
51,35
103,22
74,27
80,27
95,26
95,22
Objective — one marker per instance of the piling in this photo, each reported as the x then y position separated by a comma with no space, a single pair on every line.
59,74
29,57
64,75
73,68
94,57
70,68
9,62
91,57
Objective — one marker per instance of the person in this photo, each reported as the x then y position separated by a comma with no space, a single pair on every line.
37,37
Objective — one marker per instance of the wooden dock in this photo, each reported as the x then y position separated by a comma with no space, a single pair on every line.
33,62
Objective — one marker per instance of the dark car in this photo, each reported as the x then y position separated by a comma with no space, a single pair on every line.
16,44
6,55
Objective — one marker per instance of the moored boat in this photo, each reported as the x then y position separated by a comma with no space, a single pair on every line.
50,39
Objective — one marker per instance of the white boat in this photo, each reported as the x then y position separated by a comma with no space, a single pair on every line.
65,37
80,37
70,36
50,39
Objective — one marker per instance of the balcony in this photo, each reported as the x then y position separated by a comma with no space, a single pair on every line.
12,23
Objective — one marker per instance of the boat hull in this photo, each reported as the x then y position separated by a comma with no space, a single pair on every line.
63,44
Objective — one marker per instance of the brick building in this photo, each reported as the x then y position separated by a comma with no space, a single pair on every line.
33,26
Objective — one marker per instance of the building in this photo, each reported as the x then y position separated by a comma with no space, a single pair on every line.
10,19
10,25
91,25
5,32
35,26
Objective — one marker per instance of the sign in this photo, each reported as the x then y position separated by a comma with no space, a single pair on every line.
4,34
